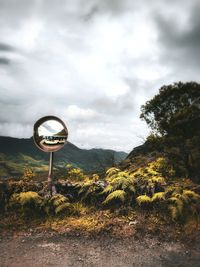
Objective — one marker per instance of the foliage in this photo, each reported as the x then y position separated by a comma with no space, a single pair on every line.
112,171
174,110
75,174
90,191
28,175
58,205
173,114
28,203
78,209
119,195
157,197
180,203
146,201
146,181
143,200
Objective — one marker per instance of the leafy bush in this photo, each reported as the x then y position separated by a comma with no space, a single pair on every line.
112,171
75,174
176,208
180,203
143,201
28,175
90,192
57,205
118,195
28,203
157,197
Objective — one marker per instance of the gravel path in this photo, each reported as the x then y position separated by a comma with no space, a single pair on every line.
78,250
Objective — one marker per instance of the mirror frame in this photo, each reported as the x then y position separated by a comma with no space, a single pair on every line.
42,120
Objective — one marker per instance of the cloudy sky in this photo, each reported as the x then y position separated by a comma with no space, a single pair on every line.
93,63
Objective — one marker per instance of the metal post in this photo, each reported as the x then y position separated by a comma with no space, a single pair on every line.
51,185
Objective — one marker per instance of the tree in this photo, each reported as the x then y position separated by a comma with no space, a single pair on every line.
174,115
175,110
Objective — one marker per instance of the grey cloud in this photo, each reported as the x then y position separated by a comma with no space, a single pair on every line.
181,45
120,105
123,105
6,47
4,61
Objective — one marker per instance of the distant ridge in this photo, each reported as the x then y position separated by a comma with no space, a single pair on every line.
18,152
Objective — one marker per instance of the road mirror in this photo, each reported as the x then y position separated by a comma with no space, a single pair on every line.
50,134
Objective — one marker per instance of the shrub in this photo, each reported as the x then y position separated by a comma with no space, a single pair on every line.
90,192
28,203
112,171
115,197
176,208
28,175
143,201
57,205
157,197
75,174
180,203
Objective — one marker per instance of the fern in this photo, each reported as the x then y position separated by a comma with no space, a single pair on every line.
112,171
158,179
191,195
174,212
160,196
77,209
143,200
58,199
116,195
62,208
26,198
184,198
176,208
58,204
118,182
29,203
108,189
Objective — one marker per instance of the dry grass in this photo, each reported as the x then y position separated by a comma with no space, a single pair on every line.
135,223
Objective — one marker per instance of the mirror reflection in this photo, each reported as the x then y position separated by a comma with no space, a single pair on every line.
50,134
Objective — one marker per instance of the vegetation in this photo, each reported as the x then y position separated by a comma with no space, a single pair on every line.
174,117
159,178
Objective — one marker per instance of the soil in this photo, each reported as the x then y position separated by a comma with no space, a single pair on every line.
75,249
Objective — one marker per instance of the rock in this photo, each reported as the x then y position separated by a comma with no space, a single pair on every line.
133,222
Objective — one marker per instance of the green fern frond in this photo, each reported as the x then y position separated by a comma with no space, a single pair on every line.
63,208
118,195
130,188
26,198
158,179
77,209
191,195
158,197
143,199
15,199
84,188
58,200
118,182
178,203
112,171
174,212
108,189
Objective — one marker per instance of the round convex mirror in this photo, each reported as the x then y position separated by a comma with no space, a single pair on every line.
50,133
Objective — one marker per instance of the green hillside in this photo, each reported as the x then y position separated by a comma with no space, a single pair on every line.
17,154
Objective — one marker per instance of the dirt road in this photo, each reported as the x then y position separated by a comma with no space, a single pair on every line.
76,250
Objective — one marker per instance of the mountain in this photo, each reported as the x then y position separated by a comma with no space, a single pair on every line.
16,154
